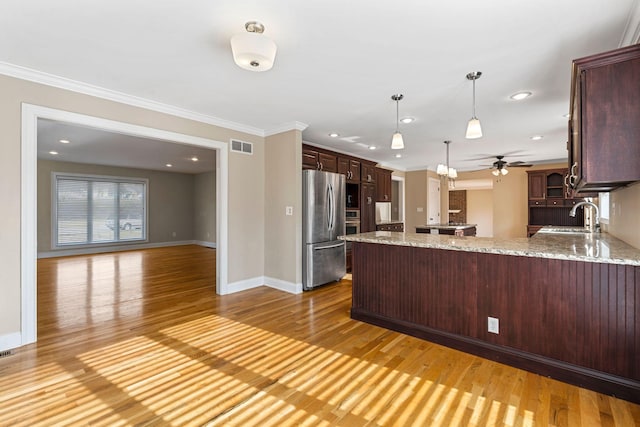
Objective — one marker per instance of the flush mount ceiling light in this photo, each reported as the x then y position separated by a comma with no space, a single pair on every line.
53,153
537,137
372,147
407,119
334,135
169,165
474,130
446,171
520,95
63,141
253,50
397,142
398,156
194,159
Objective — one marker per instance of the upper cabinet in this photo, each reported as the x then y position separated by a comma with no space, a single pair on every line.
368,172
315,159
350,168
604,128
383,185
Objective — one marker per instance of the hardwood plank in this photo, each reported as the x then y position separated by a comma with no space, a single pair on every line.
140,338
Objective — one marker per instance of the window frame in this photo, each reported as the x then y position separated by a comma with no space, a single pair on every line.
55,176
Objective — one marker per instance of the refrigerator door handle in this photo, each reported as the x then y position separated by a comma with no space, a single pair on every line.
331,210
337,245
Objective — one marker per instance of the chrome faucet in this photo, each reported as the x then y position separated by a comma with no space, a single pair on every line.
594,225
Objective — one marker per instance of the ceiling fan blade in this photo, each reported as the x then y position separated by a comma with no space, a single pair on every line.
519,164
493,156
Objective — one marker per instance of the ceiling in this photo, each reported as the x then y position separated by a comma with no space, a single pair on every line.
99,147
337,66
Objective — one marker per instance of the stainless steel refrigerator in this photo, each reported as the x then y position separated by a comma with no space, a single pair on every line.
323,220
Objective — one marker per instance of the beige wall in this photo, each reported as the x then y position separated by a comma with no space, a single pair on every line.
204,219
415,198
171,200
246,173
480,212
624,214
283,187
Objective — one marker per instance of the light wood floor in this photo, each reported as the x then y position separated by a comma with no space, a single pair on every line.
140,338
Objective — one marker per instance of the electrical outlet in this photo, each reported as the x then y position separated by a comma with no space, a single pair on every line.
493,325
173,234
288,210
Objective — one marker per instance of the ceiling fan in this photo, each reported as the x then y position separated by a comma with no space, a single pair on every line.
500,166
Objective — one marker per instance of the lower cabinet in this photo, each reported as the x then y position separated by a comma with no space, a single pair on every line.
390,227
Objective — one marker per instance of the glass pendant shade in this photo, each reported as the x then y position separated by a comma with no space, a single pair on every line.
453,174
504,171
474,130
495,172
396,142
442,170
253,50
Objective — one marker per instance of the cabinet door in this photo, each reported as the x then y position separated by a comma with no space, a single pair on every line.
354,167
383,185
368,208
328,162
537,184
368,173
343,166
310,159
554,187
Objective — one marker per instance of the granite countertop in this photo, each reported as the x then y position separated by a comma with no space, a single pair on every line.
592,247
454,226
388,222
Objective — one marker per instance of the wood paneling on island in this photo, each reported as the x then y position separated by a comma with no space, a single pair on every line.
571,320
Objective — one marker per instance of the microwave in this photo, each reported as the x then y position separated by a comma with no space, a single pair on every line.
352,215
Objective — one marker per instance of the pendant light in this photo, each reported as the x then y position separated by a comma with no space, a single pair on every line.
446,171
253,50
474,130
396,141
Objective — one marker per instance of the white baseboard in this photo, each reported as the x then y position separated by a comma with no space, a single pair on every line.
292,288
281,285
205,244
10,341
243,285
116,248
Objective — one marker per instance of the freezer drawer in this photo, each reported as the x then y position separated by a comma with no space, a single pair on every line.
323,263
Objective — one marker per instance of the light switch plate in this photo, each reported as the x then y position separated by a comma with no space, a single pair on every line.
493,325
288,210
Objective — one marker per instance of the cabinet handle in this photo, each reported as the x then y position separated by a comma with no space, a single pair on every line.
318,165
574,176
321,166
369,200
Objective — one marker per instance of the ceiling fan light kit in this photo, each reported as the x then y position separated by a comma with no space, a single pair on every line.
474,129
397,143
253,50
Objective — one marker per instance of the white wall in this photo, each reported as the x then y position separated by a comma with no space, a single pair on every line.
480,211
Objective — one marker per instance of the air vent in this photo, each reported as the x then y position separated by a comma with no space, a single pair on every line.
241,147
5,353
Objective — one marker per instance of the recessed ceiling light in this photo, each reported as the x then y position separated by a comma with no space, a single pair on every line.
194,159
53,153
169,165
520,95
537,137
334,135
372,147
407,119
398,156
64,141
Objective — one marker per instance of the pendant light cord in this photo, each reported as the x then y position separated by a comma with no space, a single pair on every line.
397,115
474,98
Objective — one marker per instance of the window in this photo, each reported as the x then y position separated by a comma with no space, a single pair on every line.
90,210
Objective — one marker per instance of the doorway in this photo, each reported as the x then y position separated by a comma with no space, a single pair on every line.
433,201
30,116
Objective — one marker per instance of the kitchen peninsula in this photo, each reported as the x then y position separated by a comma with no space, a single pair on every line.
565,304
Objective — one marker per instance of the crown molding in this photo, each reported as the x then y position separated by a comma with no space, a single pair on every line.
285,127
631,34
40,77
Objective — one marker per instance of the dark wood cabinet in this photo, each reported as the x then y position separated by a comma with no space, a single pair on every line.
390,227
316,159
350,168
383,185
549,200
536,185
604,128
368,173
367,207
